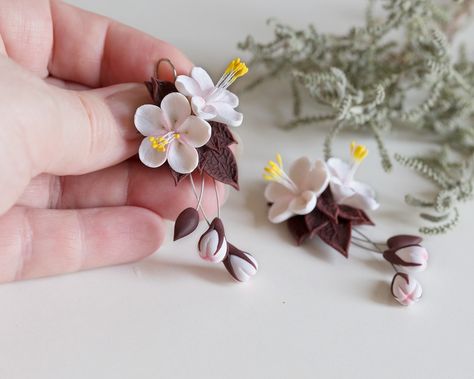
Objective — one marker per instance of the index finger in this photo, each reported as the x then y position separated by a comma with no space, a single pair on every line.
96,51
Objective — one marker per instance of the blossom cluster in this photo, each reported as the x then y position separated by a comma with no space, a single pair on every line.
323,199
187,127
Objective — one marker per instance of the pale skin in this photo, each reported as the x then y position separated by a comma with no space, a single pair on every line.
73,196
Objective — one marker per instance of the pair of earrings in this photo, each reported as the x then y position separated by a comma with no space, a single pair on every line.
187,128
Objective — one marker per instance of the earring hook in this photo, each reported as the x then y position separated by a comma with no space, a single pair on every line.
165,60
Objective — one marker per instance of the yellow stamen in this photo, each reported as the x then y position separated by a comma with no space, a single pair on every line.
279,160
267,177
359,152
160,144
273,171
234,70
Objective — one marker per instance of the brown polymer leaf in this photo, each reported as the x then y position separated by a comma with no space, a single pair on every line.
354,215
221,136
338,236
158,89
220,165
315,221
186,223
327,205
298,229
178,178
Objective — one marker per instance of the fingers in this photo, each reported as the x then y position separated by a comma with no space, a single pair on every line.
52,130
93,129
51,38
37,242
95,51
129,183
26,30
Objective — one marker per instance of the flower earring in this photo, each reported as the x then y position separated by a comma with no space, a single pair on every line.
322,199
187,129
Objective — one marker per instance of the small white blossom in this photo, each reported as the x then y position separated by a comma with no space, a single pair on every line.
213,102
344,188
172,134
295,193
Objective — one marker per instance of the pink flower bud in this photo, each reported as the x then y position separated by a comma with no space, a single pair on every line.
213,244
406,254
406,289
241,265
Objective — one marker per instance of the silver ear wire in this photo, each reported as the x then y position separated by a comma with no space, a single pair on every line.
166,60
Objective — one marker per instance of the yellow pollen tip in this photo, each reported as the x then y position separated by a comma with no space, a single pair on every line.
279,160
237,69
359,152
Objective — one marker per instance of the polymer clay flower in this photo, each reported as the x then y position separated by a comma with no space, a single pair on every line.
213,244
241,265
406,254
295,193
172,134
213,102
406,289
345,189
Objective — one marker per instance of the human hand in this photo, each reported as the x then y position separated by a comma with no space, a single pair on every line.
71,197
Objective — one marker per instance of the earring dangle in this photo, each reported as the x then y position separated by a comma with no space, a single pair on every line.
187,129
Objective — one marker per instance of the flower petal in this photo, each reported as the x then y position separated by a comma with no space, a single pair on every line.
150,121
182,158
363,197
363,189
201,109
221,95
176,108
226,114
188,86
299,171
340,191
303,204
149,156
195,131
279,212
361,201
202,78
318,178
276,192
339,168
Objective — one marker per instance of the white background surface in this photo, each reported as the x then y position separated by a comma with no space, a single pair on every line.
309,314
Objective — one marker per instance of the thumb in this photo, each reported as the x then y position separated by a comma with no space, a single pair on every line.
93,129
65,132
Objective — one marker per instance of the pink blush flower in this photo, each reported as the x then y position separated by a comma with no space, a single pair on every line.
172,134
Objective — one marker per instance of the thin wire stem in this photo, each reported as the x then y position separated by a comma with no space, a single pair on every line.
217,199
199,197
365,247
364,240
367,239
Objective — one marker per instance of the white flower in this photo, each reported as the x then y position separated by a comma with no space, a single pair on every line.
406,289
213,102
213,244
296,193
172,134
344,188
241,265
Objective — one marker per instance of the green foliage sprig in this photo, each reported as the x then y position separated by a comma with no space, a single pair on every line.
371,79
